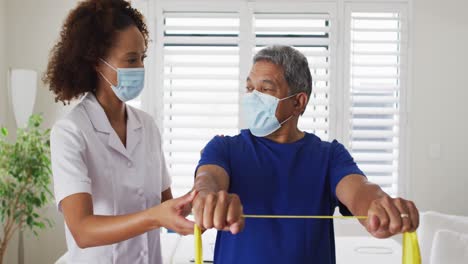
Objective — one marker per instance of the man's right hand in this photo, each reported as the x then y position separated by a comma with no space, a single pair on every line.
220,210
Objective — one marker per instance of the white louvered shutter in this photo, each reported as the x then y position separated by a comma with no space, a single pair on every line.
201,87
377,56
311,34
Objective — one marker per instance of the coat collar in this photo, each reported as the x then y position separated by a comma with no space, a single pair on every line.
101,124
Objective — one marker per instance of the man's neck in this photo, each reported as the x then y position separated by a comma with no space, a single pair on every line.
288,133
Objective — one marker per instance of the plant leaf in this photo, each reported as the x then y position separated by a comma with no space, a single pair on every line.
4,131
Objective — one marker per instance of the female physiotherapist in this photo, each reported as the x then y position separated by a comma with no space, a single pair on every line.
110,178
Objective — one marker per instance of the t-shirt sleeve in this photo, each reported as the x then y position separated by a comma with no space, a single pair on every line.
216,152
69,170
341,165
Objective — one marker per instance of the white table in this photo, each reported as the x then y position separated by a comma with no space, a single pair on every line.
362,250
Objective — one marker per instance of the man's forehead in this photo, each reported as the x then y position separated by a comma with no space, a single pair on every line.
265,71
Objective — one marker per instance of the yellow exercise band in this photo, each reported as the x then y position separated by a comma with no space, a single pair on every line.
305,216
198,245
411,253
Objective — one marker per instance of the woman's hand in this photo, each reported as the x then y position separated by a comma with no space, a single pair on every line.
172,214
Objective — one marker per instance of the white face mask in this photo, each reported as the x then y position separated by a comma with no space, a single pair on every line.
259,110
130,82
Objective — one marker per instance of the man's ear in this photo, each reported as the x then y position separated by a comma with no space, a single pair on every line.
300,103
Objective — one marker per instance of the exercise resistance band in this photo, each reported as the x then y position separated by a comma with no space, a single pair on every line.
411,254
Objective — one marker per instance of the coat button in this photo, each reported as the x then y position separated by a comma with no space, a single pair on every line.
129,164
140,192
143,253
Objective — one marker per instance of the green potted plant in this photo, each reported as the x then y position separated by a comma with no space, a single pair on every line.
24,181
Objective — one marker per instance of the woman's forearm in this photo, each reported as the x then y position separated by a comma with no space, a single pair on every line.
98,230
90,230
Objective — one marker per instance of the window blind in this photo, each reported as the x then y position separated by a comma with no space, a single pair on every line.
201,87
377,55
358,83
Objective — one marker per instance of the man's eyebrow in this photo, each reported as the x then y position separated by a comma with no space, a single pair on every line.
268,82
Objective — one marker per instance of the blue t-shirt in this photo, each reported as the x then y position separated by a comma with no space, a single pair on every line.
297,178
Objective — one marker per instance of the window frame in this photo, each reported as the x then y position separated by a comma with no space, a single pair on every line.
152,99
402,7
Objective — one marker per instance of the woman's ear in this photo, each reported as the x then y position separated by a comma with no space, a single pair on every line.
98,66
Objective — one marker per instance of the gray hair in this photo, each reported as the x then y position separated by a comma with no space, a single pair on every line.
294,64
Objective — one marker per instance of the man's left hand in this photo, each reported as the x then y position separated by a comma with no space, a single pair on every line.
390,216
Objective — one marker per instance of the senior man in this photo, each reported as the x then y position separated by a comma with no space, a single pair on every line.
273,168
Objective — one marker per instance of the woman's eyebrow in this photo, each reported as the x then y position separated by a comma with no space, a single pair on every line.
133,53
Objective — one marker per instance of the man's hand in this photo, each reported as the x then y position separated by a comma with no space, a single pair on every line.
220,210
388,217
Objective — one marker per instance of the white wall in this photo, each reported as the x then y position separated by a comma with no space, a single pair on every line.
3,94
438,111
12,253
33,27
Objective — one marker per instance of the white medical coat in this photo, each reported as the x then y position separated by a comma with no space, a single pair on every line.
88,157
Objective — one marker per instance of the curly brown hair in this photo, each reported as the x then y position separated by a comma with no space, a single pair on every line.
86,36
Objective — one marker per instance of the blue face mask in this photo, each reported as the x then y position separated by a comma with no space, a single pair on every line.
258,110
130,82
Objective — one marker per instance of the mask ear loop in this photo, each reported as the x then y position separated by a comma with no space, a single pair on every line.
287,119
288,97
112,67
104,77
